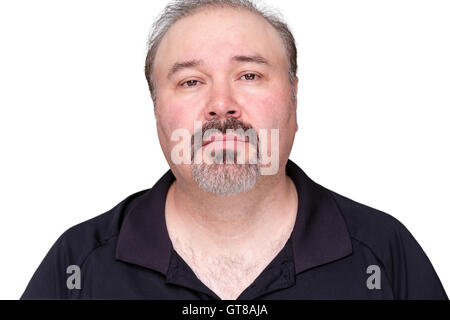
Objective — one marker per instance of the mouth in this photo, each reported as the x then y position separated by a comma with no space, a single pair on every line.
224,139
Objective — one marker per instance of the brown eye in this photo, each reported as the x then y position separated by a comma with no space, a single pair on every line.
190,83
250,76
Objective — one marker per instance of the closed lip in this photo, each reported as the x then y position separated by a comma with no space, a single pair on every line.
227,137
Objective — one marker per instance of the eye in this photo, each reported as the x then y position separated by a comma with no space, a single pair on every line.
250,76
189,83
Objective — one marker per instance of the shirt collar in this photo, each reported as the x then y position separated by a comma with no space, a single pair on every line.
319,236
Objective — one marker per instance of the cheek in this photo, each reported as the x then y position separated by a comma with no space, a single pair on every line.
275,111
174,117
271,111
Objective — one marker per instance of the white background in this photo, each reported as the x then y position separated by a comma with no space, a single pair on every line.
77,131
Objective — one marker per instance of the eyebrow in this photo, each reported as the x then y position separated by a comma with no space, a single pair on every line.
178,66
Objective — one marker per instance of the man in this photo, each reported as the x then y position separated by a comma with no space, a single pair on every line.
233,218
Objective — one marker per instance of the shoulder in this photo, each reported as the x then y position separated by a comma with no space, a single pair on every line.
73,247
400,255
379,232
367,224
80,240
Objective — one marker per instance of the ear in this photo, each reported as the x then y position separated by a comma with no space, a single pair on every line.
296,90
296,102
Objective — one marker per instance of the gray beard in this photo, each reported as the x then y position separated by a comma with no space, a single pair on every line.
226,179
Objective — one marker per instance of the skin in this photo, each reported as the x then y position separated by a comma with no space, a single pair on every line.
248,223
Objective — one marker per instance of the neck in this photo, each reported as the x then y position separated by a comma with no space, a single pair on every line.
230,222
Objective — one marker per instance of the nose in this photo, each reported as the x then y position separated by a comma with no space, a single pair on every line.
221,104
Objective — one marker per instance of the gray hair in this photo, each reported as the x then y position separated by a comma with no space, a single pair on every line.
178,9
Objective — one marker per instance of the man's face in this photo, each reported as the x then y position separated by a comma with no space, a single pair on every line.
223,92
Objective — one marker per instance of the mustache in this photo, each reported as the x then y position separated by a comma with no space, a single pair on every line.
230,123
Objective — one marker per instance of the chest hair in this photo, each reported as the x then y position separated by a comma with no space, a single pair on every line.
229,274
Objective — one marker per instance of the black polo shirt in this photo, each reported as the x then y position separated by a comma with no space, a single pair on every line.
338,249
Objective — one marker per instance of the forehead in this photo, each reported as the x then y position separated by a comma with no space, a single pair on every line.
214,35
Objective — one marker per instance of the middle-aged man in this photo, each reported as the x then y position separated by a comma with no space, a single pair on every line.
233,218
